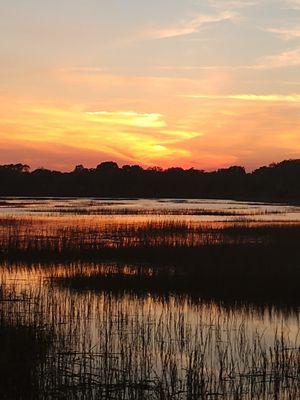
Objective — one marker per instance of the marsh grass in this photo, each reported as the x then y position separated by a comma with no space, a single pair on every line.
124,345
240,256
147,329
23,350
24,344
242,259
127,347
31,235
94,210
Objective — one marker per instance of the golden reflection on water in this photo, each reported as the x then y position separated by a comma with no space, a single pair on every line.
34,280
116,337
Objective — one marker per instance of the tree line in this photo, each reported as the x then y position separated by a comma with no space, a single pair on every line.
275,182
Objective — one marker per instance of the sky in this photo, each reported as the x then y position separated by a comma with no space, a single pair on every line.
191,83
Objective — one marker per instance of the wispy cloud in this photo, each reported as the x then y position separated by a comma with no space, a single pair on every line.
232,4
153,121
205,67
129,118
188,27
293,4
290,98
82,70
285,33
181,134
288,58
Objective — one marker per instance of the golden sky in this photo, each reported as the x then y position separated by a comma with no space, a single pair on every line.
203,84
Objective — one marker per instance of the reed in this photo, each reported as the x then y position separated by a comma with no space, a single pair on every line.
128,347
237,256
25,342
95,210
182,311
31,235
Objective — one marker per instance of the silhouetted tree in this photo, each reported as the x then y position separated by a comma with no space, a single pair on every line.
278,181
108,166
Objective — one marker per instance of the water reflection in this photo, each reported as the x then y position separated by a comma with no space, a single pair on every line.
127,344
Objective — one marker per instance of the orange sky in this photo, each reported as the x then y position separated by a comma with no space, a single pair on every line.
203,85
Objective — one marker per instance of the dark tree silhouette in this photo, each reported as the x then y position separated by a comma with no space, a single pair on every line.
276,182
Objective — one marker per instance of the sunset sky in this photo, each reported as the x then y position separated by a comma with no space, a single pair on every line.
191,83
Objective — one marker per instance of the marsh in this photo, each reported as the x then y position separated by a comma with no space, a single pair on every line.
150,299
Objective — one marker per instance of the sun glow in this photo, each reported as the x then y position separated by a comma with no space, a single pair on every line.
186,86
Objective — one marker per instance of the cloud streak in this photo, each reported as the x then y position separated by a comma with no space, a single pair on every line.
288,58
285,33
129,118
188,27
285,59
232,4
270,98
293,4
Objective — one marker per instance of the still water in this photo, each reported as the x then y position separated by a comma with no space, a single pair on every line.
215,210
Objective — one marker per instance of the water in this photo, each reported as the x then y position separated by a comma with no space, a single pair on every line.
136,344
177,207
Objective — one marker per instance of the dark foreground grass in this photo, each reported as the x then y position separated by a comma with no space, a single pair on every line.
23,350
132,347
24,345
